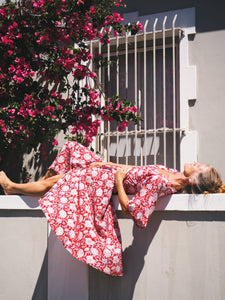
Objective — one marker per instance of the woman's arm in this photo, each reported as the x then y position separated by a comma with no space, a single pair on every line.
123,198
99,164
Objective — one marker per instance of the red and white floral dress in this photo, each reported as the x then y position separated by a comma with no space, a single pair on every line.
79,208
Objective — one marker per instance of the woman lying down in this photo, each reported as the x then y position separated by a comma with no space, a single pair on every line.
75,196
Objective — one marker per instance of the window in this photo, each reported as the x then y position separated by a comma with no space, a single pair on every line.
147,68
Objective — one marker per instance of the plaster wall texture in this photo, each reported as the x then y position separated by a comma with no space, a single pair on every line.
209,14
67,276
180,255
207,52
23,259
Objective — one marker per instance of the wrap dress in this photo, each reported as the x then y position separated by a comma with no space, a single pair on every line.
80,211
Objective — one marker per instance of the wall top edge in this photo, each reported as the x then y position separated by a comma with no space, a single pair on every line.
185,19
175,202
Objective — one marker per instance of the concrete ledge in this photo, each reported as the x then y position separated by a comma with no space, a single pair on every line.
175,202
187,202
19,202
169,238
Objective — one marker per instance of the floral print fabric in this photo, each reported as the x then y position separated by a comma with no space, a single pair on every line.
80,212
147,184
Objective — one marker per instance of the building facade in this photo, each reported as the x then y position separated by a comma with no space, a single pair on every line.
174,71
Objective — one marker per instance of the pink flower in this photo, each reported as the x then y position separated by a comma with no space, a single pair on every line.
92,75
92,10
90,56
17,131
117,18
32,113
2,125
3,12
15,25
140,26
47,109
118,105
41,40
6,41
18,79
11,69
22,127
55,142
116,33
69,64
93,95
12,111
122,126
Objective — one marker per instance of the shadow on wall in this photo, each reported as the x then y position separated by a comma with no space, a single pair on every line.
123,287
102,286
41,288
40,166
209,14
17,164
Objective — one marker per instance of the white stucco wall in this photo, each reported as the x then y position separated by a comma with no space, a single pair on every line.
65,277
207,52
180,255
23,250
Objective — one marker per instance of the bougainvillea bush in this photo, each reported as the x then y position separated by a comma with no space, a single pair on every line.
44,56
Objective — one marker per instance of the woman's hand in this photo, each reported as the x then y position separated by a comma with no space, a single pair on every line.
120,175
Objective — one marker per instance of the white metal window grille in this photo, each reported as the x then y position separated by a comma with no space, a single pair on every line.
145,69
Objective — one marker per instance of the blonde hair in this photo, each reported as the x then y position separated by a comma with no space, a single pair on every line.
206,182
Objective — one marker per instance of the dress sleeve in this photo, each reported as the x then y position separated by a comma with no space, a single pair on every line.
143,203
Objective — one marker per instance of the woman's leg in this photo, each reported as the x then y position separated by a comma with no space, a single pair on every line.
37,188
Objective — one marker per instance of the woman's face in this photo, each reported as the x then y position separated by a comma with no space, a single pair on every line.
195,168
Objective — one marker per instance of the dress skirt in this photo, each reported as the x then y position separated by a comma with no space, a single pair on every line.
80,212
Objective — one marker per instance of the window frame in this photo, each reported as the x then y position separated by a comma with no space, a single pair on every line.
185,25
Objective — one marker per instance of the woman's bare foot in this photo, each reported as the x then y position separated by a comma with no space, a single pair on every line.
6,184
